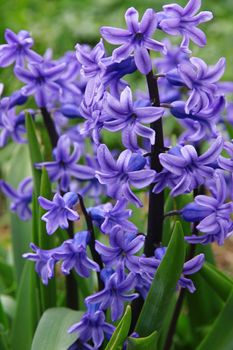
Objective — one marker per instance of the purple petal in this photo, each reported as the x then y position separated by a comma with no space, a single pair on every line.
142,60
131,18
115,35
149,22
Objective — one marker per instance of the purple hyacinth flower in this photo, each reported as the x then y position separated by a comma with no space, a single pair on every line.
171,59
149,267
11,126
176,20
183,170
92,188
93,113
17,99
73,254
204,122
106,216
41,82
17,49
20,198
201,80
213,213
227,163
115,293
59,211
119,175
44,262
124,246
64,165
92,326
135,39
124,115
90,59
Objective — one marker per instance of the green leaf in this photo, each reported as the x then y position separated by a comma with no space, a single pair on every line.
217,280
205,304
3,317
7,281
164,285
48,293
147,343
9,305
19,168
35,153
26,316
121,332
220,336
51,333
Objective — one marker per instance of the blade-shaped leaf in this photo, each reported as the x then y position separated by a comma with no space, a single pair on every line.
48,293
220,336
205,304
217,280
35,153
51,332
26,316
147,343
20,230
164,285
121,332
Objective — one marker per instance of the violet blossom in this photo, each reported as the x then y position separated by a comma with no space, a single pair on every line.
119,175
125,116
72,253
107,216
183,170
20,198
213,213
135,39
41,82
64,165
17,49
176,20
92,326
59,211
115,293
123,249
201,80
150,265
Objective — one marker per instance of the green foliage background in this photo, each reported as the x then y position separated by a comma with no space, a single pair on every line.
60,24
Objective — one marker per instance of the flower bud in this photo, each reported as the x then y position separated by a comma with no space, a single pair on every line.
193,212
70,198
136,162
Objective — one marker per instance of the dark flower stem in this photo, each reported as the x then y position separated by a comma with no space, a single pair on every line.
180,299
72,294
49,126
156,201
94,253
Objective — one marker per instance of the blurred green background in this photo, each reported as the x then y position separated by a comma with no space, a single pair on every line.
60,24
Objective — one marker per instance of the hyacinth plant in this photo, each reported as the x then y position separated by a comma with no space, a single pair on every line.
127,191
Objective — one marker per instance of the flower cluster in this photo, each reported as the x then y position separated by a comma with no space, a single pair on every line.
84,99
